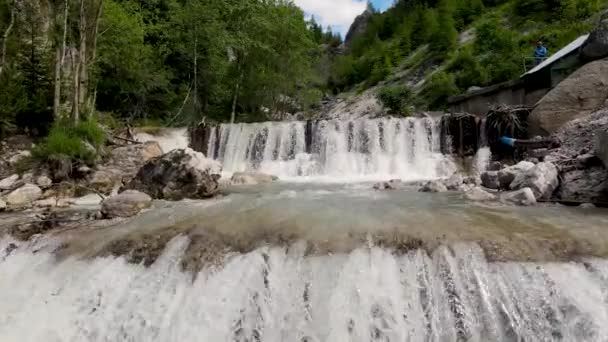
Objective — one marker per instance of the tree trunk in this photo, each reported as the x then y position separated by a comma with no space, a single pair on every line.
236,96
93,56
195,99
83,76
5,38
76,83
57,96
66,7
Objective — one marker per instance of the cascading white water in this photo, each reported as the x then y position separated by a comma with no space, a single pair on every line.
406,148
280,294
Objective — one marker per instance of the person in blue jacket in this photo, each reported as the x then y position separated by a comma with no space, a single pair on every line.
540,53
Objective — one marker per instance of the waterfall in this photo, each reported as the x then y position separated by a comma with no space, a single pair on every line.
281,294
406,148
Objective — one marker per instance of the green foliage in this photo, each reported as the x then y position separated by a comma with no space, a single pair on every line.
445,37
438,88
397,98
79,143
467,70
310,98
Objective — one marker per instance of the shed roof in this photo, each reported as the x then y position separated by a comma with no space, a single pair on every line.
574,45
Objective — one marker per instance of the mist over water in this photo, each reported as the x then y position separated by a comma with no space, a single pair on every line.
365,149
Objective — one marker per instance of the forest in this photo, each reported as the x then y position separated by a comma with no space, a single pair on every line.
162,62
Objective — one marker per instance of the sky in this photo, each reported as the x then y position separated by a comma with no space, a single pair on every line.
338,14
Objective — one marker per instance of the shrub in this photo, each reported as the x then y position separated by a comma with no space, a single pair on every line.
79,143
438,87
396,98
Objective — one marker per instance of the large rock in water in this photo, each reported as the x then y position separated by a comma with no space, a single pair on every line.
542,179
478,194
584,186
434,186
582,93
596,46
122,164
126,204
489,179
523,196
507,175
177,175
8,182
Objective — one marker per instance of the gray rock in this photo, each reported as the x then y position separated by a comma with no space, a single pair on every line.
251,178
523,197
489,179
126,204
174,176
24,195
587,206
579,95
596,46
27,178
542,179
394,184
433,186
44,182
46,203
507,175
105,180
584,186
587,159
454,182
8,182
494,166
601,146
479,195
2,205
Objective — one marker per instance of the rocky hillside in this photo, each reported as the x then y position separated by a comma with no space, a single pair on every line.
436,49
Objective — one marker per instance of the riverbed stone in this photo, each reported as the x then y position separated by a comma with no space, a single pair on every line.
24,195
2,205
174,176
8,182
489,179
44,182
46,203
127,204
479,195
252,178
524,197
454,182
105,180
542,179
433,186
507,175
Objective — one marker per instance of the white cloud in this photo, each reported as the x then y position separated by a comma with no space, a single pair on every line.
338,14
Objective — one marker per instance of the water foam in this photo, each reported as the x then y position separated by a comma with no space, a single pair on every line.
364,149
280,294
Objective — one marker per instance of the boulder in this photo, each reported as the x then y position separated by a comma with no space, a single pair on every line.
454,182
523,196
105,180
46,203
489,179
60,167
579,95
507,175
584,186
433,186
542,179
2,205
601,146
24,195
126,204
44,182
596,46
8,182
175,176
477,194
251,178
587,206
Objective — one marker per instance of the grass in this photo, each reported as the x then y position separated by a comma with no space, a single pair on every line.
79,143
